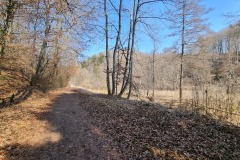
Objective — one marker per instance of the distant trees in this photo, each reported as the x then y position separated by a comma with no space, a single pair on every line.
89,74
226,61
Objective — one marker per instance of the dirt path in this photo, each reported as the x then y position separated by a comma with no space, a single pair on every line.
73,124
53,127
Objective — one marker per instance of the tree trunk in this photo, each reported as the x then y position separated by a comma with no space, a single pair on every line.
118,72
107,53
135,14
8,21
41,58
116,48
56,55
153,74
126,69
34,41
236,48
182,53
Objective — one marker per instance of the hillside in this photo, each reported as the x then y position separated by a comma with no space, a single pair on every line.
77,124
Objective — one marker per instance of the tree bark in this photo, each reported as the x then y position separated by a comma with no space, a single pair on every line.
8,21
135,14
41,58
182,53
126,69
56,55
107,53
116,48
153,73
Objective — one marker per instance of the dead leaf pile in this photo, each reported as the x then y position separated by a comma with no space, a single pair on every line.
144,130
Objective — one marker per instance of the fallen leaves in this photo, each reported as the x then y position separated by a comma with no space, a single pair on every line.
149,131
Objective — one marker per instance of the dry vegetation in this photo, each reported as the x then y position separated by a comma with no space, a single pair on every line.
36,48
145,130
209,87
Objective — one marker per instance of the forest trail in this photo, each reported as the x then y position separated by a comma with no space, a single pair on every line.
52,127
74,124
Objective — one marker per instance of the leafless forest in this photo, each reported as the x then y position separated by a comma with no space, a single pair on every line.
199,72
41,42
59,101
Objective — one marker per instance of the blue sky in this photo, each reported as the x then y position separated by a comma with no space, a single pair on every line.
215,18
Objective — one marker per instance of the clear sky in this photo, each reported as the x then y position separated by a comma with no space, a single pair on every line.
215,18
220,7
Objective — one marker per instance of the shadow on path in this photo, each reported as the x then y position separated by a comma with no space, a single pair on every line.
70,135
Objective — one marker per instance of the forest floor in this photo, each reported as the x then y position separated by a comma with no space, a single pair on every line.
74,124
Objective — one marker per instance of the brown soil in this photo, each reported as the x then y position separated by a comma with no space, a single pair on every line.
52,127
73,124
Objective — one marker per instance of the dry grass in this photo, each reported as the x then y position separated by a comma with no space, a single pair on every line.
165,97
218,103
98,91
168,97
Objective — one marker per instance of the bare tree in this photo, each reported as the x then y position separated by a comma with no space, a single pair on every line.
135,11
57,51
125,79
138,16
188,22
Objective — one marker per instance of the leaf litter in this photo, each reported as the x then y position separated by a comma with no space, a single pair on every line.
143,130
